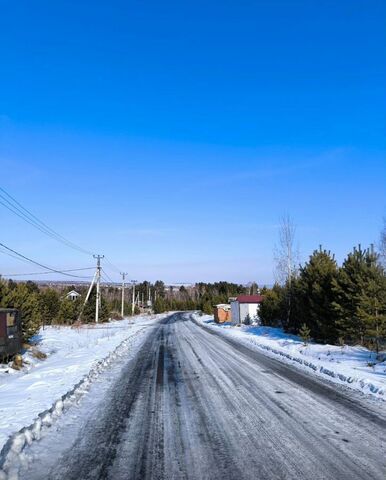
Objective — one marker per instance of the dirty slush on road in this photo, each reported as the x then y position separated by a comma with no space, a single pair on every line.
194,406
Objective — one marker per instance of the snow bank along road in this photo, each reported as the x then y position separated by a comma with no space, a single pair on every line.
195,405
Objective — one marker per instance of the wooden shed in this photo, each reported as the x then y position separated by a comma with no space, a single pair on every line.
222,313
10,332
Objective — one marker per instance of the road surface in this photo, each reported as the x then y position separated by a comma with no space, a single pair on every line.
194,405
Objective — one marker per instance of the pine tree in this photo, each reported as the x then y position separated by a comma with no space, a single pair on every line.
305,334
361,298
3,292
207,307
372,305
273,308
159,305
314,296
88,315
68,312
49,304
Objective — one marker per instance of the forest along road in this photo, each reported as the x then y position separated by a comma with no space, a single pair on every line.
194,405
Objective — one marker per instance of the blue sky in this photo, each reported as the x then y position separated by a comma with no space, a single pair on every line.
171,136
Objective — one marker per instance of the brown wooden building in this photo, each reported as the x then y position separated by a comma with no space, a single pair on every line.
222,313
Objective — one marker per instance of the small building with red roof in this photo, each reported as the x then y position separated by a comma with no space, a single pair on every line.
245,309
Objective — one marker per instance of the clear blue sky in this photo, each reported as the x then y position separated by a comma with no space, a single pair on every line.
171,136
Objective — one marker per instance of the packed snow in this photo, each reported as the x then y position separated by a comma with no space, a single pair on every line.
353,366
72,353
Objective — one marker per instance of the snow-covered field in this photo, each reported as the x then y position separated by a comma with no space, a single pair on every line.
355,367
72,353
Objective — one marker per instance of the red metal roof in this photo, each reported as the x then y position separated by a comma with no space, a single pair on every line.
249,298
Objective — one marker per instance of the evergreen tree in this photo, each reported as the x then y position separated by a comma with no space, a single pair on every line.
273,308
159,288
372,309
305,334
207,307
360,297
88,315
159,305
3,292
49,304
68,312
382,245
294,320
315,295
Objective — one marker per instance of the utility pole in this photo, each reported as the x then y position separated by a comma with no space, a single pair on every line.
133,301
123,292
98,281
87,296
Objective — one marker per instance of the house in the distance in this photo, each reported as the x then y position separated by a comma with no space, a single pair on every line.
222,313
73,295
245,308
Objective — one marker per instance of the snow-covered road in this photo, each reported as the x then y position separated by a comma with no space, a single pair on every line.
196,405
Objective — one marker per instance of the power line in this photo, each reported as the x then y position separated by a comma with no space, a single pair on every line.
112,265
10,203
37,263
105,273
44,273
14,256
24,260
23,216
33,220
46,230
109,278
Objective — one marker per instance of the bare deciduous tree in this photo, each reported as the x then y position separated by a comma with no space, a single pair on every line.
286,256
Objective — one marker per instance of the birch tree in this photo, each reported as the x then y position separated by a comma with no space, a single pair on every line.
286,254
286,257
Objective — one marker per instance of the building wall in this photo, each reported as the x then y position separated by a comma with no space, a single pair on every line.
221,315
235,312
251,309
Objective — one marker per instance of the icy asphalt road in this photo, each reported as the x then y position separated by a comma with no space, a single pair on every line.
193,405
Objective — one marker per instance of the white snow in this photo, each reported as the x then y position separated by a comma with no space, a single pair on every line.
72,353
353,366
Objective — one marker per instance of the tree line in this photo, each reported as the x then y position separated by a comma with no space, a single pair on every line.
331,303
337,304
48,306
40,306
202,296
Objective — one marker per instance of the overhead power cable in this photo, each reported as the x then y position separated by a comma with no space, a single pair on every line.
112,265
15,207
37,263
14,256
45,273
109,278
